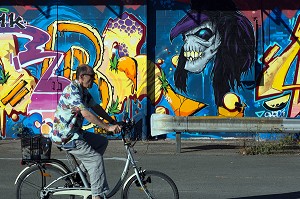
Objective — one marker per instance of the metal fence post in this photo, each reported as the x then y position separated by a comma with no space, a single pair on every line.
178,142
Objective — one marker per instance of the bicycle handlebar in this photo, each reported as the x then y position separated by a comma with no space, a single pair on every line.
127,127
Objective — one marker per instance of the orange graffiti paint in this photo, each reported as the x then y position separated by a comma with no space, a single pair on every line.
19,97
13,92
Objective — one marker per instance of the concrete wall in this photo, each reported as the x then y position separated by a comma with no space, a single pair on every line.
232,58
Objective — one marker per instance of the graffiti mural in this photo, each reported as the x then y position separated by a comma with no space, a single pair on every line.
228,60
276,79
39,58
223,59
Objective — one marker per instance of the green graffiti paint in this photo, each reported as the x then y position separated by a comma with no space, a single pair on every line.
4,10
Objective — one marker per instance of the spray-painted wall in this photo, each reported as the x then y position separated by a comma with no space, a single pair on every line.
241,62
41,48
225,61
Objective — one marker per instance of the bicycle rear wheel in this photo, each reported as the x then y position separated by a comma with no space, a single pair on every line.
158,184
34,179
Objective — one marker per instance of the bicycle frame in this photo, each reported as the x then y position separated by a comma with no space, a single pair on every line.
86,190
137,171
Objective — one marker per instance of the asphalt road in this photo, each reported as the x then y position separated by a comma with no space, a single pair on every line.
204,170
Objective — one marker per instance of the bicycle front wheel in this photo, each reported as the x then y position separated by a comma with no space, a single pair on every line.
33,180
157,184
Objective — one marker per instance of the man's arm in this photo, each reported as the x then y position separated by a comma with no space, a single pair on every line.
89,116
102,113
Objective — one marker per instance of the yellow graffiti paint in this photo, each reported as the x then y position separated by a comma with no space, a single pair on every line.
148,68
230,100
161,110
129,67
181,105
273,79
232,106
76,27
104,88
274,76
15,93
277,103
13,102
45,129
75,52
223,112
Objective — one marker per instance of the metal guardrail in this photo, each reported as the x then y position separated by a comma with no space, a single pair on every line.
163,124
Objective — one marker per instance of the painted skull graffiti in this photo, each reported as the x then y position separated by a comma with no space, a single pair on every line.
224,37
200,45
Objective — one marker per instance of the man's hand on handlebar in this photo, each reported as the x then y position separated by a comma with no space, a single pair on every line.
114,128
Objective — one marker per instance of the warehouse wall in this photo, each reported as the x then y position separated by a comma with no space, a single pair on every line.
231,58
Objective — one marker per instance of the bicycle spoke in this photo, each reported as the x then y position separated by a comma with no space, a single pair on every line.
32,185
33,181
157,185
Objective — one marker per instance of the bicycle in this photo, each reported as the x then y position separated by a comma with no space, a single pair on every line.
52,178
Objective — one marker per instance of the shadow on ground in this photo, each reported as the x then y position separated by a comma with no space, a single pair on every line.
209,147
292,195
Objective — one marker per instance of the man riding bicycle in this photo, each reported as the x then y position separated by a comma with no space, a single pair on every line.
73,106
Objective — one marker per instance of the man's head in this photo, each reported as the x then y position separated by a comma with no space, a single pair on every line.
85,75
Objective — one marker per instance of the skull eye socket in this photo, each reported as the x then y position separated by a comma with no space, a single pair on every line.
204,33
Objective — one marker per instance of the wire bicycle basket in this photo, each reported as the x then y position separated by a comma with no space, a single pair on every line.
35,147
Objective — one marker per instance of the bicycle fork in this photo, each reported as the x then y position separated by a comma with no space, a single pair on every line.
139,173
143,183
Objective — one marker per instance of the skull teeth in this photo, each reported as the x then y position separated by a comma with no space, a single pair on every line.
192,55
